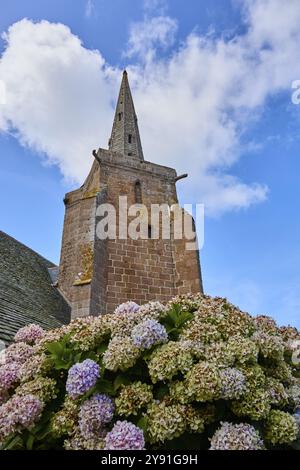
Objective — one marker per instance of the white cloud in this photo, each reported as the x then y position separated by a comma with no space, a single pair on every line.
157,7
193,105
58,95
89,8
149,35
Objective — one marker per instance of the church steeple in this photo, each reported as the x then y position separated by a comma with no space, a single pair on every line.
125,136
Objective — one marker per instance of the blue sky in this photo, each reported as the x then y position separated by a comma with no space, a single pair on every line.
223,81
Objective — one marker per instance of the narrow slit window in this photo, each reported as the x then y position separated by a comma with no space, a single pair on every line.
138,192
130,138
120,116
149,232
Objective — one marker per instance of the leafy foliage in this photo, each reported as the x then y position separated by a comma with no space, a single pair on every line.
218,365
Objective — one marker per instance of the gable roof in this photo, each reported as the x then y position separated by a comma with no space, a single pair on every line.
26,291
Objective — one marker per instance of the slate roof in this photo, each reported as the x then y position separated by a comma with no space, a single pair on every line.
26,291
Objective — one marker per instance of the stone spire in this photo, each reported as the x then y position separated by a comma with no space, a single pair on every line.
125,136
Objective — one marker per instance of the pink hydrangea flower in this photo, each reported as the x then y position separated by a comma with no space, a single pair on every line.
29,334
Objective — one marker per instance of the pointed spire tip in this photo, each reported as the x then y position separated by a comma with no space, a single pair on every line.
125,136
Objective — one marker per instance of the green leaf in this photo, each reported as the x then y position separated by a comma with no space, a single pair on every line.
119,381
102,348
88,394
13,443
56,348
176,317
171,329
161,391
296,445
185,316
30,442
44,432
77,358
143,423
61,364
105,386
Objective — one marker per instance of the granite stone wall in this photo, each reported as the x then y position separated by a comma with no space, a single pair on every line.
122,269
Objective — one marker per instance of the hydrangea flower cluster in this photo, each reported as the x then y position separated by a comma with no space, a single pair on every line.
203,382
270,346
265,324
198,418
153,310
255,405
233,383
9,375
169,359
73,387
201,332
29,334
82,377
132,398
120,324
65,421
77,442
94,414
18,352
243,349
121,354
236,437
36,364
85,333
43,388
127,308
166,421
293,392
280,428
188,302
18,413
125,436
148,333
278,395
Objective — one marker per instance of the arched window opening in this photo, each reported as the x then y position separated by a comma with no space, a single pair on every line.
138,192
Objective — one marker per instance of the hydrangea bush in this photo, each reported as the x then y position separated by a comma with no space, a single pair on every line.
196,373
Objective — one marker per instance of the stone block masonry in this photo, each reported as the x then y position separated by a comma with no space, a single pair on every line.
97,275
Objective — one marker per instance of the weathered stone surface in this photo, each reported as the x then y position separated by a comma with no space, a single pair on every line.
139,270
125,136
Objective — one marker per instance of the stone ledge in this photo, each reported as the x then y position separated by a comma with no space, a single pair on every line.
82,283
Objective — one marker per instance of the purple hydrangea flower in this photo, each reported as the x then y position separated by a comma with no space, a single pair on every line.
125,436
94,413
241,436
147,333
82,377
30,334
20,412
233,383
17,352
29,410
8,376
127,307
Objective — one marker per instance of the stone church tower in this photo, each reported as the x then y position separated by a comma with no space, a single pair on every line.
96,275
